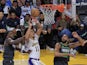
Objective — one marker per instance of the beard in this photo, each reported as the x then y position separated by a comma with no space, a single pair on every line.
64,41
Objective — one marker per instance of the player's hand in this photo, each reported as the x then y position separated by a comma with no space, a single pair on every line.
85,41
71,55
75,34
2,30
23,40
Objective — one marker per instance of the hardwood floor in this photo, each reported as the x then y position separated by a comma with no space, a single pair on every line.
46,58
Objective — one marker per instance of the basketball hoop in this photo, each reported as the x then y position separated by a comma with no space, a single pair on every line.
59,7
48,12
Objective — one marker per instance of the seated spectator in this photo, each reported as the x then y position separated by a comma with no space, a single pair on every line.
82,31
8,3
21,2
74,25
53,36
16,8
41,18
4,8
38,3
24,22
2,30
62,22
26,9
12,22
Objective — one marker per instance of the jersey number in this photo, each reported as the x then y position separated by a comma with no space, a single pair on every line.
37,49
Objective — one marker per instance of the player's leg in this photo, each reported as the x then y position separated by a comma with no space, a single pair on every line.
33,62
8,62
60,63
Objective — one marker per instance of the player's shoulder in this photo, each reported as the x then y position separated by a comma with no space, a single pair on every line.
57,44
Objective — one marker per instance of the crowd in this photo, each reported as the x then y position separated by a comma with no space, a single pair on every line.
17,14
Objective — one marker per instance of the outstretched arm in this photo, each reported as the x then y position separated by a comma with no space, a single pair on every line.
27,35
58,53
81,42
40,27
15,42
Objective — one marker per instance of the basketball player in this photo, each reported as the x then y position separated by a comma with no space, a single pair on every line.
9,46
33,45
62,49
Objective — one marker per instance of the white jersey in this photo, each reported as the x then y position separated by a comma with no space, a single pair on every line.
33,45
25,10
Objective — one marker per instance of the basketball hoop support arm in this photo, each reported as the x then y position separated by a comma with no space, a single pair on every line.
74,10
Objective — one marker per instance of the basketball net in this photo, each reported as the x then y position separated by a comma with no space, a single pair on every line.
49,10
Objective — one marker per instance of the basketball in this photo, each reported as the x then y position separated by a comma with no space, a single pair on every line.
35,12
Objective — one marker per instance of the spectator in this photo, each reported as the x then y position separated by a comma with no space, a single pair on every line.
26,9
38,3
62,22
12,22
74,25
2,30
24,22
16,8
4,8
82,31
8,3
52,37
22,1
41,18
85,21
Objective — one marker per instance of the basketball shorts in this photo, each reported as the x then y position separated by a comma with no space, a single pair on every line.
33,61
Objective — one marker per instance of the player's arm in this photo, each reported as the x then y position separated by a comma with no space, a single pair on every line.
15,42
27,35
81,42
75,44
29,51
40,27
57,51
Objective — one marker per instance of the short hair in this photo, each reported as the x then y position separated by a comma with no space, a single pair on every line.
10,12
27,2
2,11
15,1
28,15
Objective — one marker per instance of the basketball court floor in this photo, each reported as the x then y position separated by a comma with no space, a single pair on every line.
47,58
